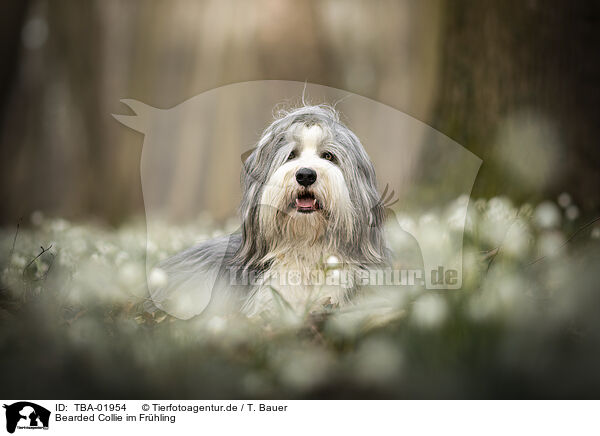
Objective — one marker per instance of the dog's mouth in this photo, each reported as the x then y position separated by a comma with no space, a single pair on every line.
306,203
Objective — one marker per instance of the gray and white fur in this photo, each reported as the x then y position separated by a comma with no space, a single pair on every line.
309,195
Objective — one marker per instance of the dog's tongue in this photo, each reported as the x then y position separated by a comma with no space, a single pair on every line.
305,202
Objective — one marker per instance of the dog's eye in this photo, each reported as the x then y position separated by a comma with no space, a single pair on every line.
292,155
328,156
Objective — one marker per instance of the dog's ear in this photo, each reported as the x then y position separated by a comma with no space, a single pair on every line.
245,155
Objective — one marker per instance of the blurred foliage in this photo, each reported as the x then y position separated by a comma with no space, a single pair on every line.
73,320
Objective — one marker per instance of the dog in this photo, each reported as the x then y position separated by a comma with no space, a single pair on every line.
311,219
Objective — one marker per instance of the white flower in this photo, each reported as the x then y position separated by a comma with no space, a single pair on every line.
517,239
500,209
428,219
79,246
550,243
332,261
130,274
158,278
304,368
18,261
547,215
564,200
59,225
151,247
407,224
572,213
216,324
462,200
456,217
429,311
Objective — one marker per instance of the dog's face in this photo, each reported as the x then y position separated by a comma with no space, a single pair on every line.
309,180
308,190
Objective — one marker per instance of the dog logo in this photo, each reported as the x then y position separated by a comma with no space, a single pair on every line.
306,176
26,415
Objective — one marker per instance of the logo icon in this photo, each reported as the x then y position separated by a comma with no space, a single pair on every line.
26,415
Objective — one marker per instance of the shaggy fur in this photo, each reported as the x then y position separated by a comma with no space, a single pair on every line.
280,256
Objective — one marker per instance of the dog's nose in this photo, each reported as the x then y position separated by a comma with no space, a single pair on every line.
306,176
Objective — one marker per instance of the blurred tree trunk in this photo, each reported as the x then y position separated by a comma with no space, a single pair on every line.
501,58
12,15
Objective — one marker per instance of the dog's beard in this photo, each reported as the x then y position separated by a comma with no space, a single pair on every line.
300,216
299,225
293,214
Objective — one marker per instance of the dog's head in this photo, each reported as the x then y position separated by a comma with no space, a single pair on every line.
310,181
